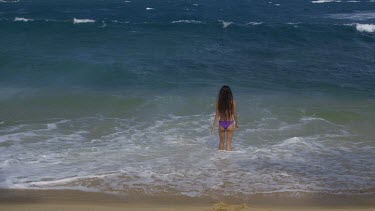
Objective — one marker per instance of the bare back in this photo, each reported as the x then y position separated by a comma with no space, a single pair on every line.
224,117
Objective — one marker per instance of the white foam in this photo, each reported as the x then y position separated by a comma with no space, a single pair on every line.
9,183
254,23
293,140
78,21
306,119
51,126
10,162
12,128
225,23
277,4
17,136
324,1
149,8
9,1
117,21
128,1
311,118
63,181
365,27
187,21
22,19
168,152
56,182
195,5
330,1
358,16
293,23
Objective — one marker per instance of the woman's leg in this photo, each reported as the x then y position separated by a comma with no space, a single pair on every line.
230,132
222,138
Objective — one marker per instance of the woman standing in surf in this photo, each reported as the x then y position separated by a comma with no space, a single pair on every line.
225,113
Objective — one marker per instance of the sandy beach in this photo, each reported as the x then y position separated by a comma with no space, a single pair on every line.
19,199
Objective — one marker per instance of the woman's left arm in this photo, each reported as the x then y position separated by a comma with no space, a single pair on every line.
235,113
215,121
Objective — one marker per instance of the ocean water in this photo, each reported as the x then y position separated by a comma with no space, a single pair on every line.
116,96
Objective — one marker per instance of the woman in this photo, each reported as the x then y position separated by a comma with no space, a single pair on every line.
226,112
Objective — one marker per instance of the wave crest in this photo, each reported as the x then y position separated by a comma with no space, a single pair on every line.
186,21
225,23
329,1
365,27
22,19
9,1
77,21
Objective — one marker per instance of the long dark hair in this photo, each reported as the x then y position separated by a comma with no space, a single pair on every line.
225,101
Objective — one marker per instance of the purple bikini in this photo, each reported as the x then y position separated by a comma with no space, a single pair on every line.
225,124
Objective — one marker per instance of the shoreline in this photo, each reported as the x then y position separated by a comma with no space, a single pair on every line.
32,199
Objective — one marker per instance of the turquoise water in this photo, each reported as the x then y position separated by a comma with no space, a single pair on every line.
116,96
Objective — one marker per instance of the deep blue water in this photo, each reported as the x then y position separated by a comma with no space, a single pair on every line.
296,45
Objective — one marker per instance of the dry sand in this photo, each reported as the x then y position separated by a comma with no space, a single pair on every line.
61,200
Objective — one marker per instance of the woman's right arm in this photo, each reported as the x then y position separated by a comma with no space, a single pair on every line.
215,121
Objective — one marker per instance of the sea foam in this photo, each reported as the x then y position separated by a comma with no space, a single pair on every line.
51,126
22,19
9,1
329,1
358,16
225,23
254,23
365,27
77,21
176,153
187,21
324,1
